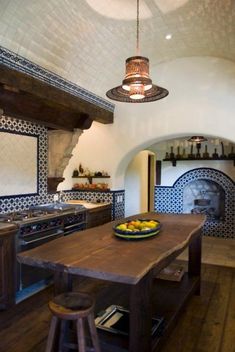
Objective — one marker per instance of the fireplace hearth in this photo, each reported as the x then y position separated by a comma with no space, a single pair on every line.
204,197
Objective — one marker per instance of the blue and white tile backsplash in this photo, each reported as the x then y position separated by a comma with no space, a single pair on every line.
170,199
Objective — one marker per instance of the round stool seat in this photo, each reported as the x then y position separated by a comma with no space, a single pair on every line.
78,307
72,305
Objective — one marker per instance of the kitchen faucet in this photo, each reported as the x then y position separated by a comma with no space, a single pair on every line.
61,195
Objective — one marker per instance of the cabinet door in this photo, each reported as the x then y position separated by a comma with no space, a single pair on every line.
99,217
7,275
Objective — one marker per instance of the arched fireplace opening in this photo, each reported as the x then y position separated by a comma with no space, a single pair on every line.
204,197
202,190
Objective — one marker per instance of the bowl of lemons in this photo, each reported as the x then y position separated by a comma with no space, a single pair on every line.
137,229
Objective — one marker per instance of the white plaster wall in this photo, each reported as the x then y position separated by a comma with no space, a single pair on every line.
136,185
19,167
201,101
170,174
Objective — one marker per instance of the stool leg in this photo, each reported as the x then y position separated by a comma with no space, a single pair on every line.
93,332
51,335
81,335
63,334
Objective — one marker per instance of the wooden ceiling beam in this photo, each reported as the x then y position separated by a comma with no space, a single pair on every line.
27,107
50,96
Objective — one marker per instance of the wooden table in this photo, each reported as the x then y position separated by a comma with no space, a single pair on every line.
98,254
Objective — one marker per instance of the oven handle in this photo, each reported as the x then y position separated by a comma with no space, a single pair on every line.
59,232
67,227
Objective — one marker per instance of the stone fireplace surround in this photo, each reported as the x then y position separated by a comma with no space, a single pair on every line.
170,199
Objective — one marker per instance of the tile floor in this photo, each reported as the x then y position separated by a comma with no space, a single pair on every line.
217,251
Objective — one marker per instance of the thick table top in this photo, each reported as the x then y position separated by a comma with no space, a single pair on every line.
97,253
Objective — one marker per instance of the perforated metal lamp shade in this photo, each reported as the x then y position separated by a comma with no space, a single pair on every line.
137,86
197,139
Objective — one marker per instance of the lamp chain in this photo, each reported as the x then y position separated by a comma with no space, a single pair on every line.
137,30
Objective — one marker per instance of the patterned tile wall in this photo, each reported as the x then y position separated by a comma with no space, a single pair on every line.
170,199
20,202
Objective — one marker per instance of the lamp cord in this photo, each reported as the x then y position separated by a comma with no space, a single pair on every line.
137,30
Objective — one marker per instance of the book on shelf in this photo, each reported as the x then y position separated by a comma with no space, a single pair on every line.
173,272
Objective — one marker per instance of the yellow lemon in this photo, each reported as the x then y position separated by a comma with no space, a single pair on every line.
122,227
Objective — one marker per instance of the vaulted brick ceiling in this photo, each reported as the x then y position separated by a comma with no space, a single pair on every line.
87,41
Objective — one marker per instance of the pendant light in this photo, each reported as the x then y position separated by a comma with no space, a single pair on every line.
197,139
137,86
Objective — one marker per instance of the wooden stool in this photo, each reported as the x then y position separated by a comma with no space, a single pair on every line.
74,306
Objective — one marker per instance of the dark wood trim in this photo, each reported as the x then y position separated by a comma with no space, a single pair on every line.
149,183
8,265
158,172
25,97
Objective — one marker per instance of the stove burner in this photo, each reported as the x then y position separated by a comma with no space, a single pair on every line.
21,215
38,212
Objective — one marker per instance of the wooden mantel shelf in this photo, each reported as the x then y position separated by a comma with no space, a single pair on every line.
90,178
174,161
25,97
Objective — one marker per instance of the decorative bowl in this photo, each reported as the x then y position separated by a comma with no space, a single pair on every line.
137,229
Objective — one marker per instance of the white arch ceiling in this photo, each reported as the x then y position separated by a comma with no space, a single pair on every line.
87,41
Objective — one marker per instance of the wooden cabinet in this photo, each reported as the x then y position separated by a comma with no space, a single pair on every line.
7,266
99,215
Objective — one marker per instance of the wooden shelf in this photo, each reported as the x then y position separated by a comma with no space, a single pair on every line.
90,178
169,300
174,161
91,189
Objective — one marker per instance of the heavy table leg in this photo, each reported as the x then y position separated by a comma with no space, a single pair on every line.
62,282
194,260
141,315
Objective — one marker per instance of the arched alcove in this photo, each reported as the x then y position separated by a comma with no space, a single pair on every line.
170,199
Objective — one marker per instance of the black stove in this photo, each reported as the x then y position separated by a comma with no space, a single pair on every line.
36,226
40,212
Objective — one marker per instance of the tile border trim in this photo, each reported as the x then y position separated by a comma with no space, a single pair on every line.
19,63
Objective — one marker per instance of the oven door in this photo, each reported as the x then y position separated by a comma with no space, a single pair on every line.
29,275
68,229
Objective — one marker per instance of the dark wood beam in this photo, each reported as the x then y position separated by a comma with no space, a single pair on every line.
27,107
50,97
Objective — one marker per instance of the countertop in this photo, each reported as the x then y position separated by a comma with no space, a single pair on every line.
6,227
88,205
